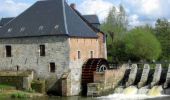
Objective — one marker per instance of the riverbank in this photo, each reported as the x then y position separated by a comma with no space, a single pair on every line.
19,94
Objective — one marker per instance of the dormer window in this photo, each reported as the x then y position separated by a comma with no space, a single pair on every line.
41,27
22,29
10,29
56,26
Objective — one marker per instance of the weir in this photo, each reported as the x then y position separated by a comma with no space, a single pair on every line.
135,79
132,75
167,82
157,75
147,81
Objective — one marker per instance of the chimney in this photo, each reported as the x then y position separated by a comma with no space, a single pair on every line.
73,5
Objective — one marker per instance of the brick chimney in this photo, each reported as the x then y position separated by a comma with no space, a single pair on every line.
73,5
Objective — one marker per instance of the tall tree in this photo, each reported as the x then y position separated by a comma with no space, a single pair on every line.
162,31
114,25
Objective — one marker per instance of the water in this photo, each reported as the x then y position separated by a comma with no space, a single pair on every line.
131,90
133,97
155,91
109,97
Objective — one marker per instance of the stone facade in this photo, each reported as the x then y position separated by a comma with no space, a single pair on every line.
26,55
62,51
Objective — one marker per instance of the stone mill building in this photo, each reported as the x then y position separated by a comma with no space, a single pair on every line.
51,38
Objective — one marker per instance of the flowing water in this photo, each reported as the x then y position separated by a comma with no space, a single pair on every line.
155,91
109,97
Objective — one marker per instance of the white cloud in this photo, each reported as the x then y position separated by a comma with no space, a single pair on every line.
99,7
147,10
150,8
134,20
11,8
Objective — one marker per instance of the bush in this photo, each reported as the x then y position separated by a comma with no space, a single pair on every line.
38,86
141,44
19,95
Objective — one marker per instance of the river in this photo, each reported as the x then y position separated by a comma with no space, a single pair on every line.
109,97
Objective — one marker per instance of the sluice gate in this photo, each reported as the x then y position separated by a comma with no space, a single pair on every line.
145,80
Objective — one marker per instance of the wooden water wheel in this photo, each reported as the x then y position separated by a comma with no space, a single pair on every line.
91,65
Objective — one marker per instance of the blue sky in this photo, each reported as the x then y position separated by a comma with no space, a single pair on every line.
139,12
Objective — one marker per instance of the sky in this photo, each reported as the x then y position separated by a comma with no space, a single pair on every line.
139,12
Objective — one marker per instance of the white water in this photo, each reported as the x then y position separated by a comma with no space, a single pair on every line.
132,93
127,97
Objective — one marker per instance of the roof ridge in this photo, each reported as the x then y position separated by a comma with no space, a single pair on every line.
64,15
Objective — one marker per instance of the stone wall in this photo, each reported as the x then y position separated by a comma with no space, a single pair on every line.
25,54
18,79
104,81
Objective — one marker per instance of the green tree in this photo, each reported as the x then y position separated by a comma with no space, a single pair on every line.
114,25
141,44
162,32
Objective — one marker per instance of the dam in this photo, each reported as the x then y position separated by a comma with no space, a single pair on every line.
132,79
145,80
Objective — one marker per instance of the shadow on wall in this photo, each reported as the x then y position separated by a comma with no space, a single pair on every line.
56,88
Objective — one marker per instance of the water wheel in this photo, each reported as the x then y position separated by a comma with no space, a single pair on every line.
91,65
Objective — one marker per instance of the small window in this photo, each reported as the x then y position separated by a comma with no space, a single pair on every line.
41,27
8,51
52,67
22,29
10,29
42,50
56,26
79,55
91,54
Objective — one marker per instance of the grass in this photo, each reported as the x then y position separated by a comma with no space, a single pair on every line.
19,95
6,87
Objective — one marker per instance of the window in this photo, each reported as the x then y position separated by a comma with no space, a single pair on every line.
22,29
52,67
8,51
91,54
41,27
10,29
42,50
56,26
78,55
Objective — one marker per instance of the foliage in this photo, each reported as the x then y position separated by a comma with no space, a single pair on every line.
162,32
19,95
141,44
114,25
38,86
